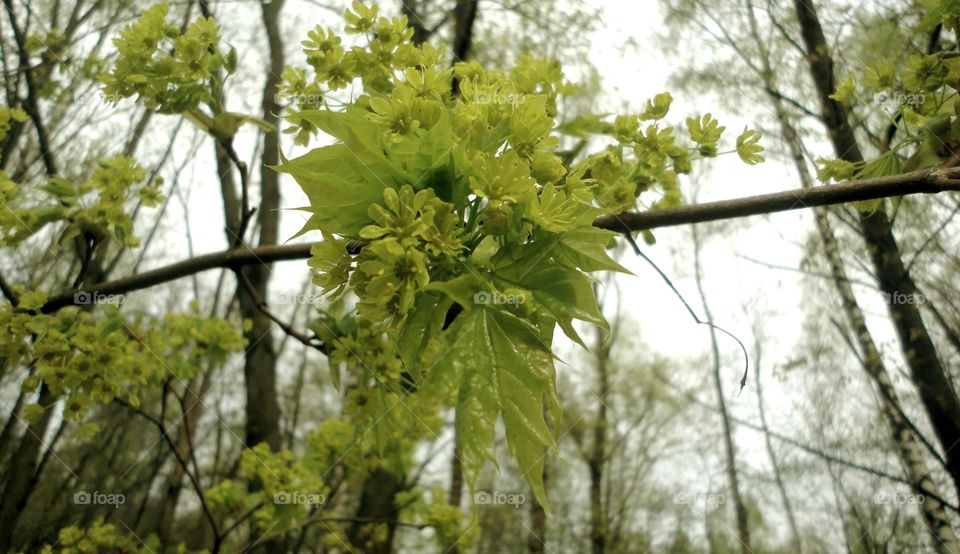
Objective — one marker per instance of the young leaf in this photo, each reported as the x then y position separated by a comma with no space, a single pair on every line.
566,293
502,368
748,148
586,247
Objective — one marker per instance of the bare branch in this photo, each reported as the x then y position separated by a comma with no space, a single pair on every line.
927,181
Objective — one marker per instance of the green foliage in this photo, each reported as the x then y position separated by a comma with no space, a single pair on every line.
460,198
85,358
917,94
96,208
165,69
175,73
100,537
747,147
501,367
8,116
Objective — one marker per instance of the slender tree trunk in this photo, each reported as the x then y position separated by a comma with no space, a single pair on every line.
455,495
537,534
411,10
920,353
193,409
908,446
598,455
22,476
377,503
260,367
795,541
903,437
743,526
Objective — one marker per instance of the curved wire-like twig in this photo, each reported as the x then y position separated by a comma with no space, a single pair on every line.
693,314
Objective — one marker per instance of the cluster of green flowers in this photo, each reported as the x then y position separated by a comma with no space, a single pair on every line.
289,488
101,537
293,487
7,118
332,66
96,208
410,229
918,94
166,69
442,174
444,186
86,358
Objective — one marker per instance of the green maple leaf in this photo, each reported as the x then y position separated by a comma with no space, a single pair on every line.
565,293
501,368
585,247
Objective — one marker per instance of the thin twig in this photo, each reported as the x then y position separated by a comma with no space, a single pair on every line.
693,314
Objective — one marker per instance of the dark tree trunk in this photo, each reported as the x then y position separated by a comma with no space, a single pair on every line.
22,475
377,504
598,455
537,536
920,353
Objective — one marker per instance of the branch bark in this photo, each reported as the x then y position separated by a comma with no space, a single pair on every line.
928,181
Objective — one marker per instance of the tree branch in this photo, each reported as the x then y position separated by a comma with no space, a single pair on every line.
234,258
927,181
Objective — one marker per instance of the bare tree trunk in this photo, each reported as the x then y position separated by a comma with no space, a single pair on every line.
598,454
377,504
22,476
920,353
465,14
795,541
455,495
903,436
743,526
192,410
260,367
537,535
411,9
